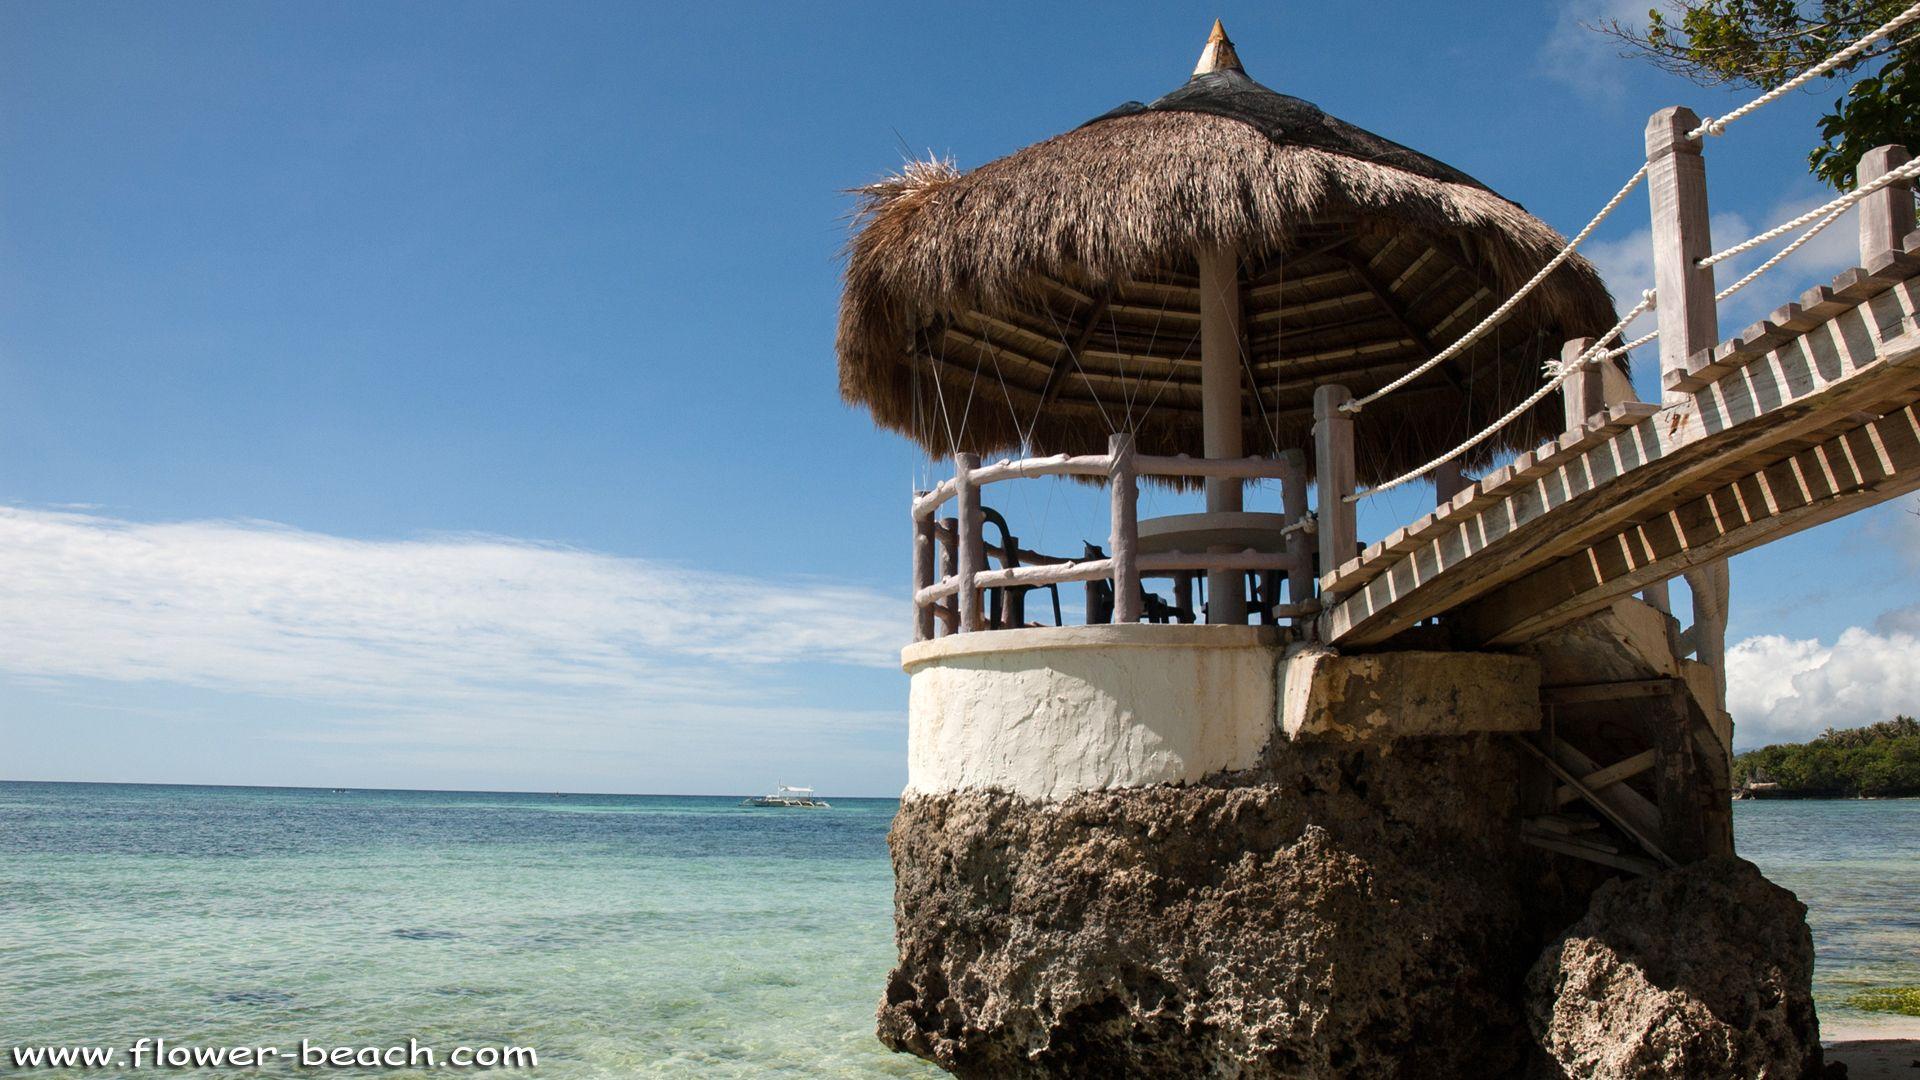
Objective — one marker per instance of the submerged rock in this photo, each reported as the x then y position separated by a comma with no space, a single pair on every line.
1704,971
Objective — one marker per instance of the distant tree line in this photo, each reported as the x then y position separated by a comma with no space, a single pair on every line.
1878,760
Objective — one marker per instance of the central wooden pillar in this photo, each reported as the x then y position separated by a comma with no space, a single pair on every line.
1222,339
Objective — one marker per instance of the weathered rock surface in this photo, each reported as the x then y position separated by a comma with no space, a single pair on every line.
1344,911
1699,972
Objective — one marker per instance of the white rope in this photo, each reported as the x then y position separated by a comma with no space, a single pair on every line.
1710,126
1512,302
1782,254
1560,373
1835,206
1718,125
1631,345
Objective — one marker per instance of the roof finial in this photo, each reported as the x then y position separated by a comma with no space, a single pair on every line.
1219,54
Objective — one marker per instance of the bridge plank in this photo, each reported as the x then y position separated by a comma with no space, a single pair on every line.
1877,461
1802,388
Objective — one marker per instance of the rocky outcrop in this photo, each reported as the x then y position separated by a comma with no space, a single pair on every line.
1343,911
1699,972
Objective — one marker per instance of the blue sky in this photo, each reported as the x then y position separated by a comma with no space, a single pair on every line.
443,395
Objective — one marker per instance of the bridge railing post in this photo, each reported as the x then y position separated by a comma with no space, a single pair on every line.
1597,386
923,564
1677,191
1585,391
1334,472
1886,216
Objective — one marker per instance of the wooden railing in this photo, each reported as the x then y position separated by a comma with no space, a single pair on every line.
950,571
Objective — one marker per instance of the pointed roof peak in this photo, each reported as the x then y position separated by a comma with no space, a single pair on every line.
1219,54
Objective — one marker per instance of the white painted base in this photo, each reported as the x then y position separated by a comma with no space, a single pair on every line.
1048,713
1045,713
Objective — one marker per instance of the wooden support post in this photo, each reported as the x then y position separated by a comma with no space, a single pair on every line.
1447,481
1595,388
1222,344
1578,393
1334,466
1710,586
973,555
1183,596
1677,189
1124,489
949,610
1683,832
1886,216
1659,596
1293,504
923,563
1014,604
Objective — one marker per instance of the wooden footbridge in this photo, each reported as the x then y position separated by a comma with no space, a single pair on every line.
1799,419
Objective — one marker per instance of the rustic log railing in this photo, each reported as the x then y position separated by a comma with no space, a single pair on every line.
949,596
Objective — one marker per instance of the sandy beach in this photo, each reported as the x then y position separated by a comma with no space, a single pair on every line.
1877,1049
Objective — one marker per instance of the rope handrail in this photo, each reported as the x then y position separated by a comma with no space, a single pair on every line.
1710,126
1718,125
1559,372
1836,206
1500,313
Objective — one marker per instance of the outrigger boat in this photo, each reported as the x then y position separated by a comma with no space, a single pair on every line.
789,796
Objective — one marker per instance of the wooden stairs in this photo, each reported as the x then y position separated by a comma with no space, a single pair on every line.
1636,754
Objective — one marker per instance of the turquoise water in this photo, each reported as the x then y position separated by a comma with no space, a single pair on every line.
1855,863
618,936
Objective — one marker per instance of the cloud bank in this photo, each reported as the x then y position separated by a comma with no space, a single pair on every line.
424,633
1782,689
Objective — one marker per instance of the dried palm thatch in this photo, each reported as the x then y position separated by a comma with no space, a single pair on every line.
1048,298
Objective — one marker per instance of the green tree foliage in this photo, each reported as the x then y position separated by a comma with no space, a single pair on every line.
1763,43
1879,760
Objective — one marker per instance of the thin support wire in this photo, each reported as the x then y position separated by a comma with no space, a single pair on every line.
1559,373
1500,313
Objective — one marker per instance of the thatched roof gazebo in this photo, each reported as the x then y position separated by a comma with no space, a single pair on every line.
1058,294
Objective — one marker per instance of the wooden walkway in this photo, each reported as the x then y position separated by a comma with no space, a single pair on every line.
1804,417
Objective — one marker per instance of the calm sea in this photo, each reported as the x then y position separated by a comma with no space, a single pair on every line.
618,936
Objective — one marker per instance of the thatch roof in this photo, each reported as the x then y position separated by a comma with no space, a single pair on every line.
1051,296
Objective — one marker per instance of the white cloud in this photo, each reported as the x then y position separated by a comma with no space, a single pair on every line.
1584,58
1626,263
466,627
1781,689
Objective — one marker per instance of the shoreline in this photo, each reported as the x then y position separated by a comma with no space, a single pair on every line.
1894,1027
1882,1048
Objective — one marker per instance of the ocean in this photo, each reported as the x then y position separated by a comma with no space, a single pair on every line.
618,936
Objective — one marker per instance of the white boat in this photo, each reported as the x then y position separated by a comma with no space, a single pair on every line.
789,796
